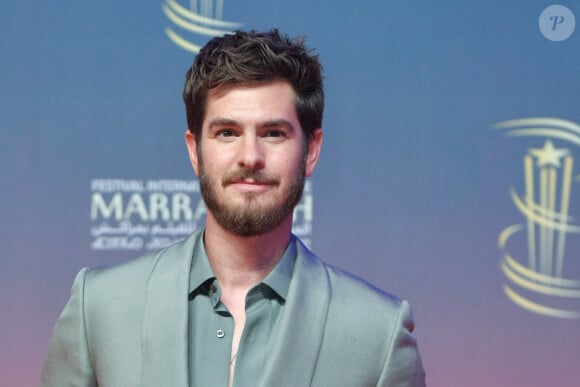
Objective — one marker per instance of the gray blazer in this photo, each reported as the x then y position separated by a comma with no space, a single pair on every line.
127,326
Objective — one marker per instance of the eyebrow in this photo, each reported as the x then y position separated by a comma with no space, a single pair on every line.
278,122
220,121
223,122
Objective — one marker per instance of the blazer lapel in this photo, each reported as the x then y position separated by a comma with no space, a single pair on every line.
293,353
164,334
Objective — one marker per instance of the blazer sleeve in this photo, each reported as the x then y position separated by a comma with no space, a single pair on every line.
68,362
403,366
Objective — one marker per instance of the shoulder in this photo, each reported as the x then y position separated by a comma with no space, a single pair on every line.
139,268
353,297
130,278
351,294
343,284
364,326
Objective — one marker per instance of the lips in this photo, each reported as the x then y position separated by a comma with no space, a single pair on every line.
250,182
243,177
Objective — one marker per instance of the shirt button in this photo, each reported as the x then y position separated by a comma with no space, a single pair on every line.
220,333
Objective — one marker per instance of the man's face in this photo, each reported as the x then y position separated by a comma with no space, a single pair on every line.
252,161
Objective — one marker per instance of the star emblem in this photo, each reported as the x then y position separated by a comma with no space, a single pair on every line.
548,155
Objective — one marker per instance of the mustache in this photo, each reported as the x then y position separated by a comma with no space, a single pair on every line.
244,174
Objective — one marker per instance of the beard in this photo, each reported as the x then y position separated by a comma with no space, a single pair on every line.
254,216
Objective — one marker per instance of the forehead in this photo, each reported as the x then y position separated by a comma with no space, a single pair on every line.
251,101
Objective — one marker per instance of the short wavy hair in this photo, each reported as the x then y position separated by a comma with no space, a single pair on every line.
252,56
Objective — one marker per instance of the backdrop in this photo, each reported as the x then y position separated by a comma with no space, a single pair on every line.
449,174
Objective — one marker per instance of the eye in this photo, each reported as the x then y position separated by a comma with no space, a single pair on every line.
275,133
225,133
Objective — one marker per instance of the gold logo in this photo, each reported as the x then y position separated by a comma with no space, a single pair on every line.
201,20
545,281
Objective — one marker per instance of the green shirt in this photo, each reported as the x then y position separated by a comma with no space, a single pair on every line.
211,326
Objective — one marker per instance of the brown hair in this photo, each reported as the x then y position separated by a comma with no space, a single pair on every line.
256,57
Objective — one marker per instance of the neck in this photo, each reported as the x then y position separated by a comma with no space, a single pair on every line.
242,262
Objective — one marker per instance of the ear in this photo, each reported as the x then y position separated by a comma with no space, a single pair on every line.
314,147
191,143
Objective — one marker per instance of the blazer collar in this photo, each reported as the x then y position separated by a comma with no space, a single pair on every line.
295,345
164,334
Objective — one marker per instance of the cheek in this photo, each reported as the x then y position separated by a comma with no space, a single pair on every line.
291,167
211,163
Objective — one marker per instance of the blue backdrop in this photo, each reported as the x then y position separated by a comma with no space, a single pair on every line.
423,188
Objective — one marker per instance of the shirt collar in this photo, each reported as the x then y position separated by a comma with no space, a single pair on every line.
201,271
278,279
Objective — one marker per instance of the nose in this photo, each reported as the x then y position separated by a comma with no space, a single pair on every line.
251,154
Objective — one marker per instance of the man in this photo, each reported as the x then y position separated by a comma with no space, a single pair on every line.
241,302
